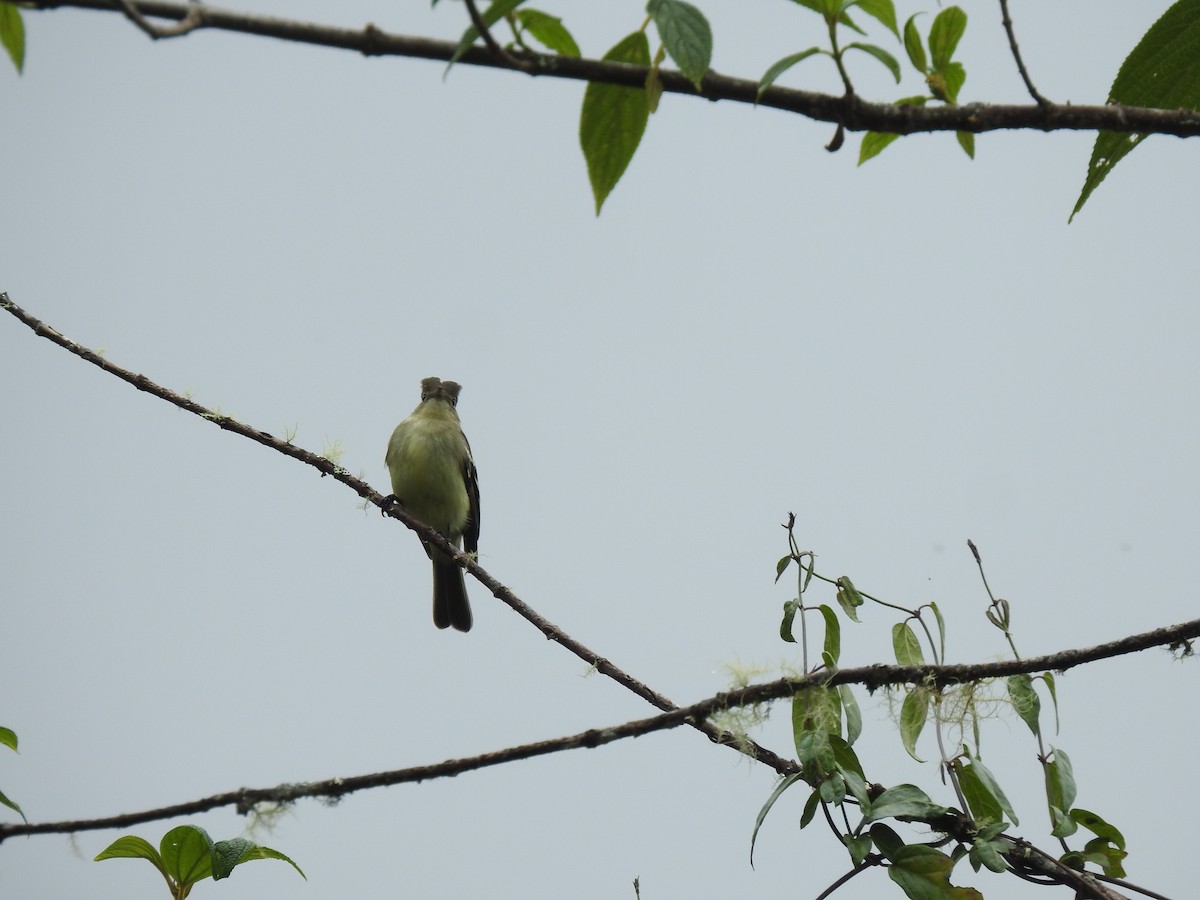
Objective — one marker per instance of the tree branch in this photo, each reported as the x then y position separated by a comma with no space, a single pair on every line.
1177,637
364,490
1006,20
851,112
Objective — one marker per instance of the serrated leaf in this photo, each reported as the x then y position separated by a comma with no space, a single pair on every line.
613,120
784,784
906,646
1025,700
548,31
966,140
228,854
12,34
882,10
1162,72
913,713
782,65
880,54
914,46
944,35
686,34
493,14
8,738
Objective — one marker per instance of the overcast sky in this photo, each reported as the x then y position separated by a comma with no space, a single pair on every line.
906,355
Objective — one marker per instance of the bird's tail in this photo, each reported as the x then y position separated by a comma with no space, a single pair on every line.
450,606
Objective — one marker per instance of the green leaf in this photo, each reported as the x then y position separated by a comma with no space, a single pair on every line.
613,120
859,847
913,45
874,143
548,31
880,54
848,598
8,738
954,76
1098,826
1048,678
816,755
816,708
833,633
982,804
781,66
886,840
966,140
4,801
903,800
941,624
1060,794
1162,72
781,567
493,14
784,784
987,854
12,34
882,10
133,847
944,35
906,645
686,34
844,756
853,713
1025,700
989,783
789,617
810,808
228,854
186,854
913,713
924,874
830,10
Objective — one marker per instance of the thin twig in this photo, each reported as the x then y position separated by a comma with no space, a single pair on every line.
500,52
1016,52
193,20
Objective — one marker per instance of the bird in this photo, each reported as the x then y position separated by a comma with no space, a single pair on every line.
434,478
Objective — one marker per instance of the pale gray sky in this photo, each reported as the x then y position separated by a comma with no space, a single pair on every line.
907,355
